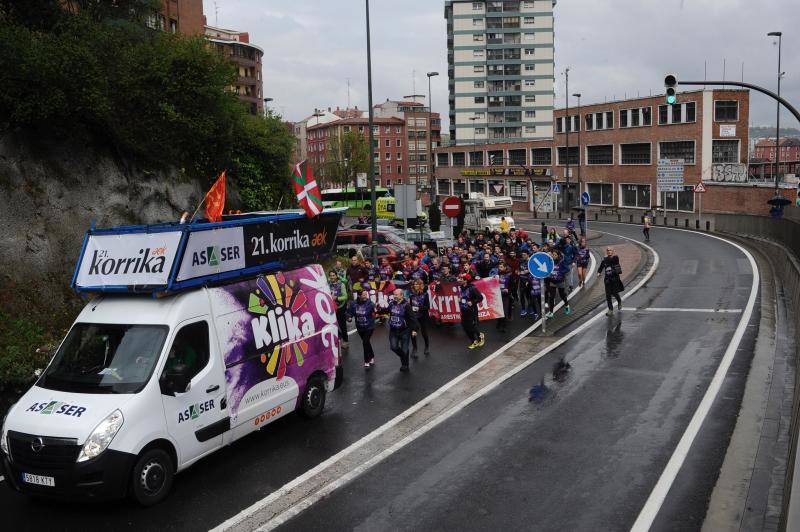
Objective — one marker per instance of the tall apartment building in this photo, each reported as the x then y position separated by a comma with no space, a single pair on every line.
500,70
236,46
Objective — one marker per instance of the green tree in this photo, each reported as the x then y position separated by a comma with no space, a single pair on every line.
346,157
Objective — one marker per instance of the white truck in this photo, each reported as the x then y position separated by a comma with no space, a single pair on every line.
482,212
142,387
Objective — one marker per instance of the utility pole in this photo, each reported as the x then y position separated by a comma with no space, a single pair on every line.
373,198
778,34
567,127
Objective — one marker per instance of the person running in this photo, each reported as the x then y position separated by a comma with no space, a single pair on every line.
555,283
535,309
648,223
339,293
611,271
363,310
582,260
470,297
420,305
568,251
524,286
402,327
570,225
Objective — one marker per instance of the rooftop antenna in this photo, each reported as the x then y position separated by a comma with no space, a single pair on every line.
705,71
742,71
723,70
413,81
348,93
216,14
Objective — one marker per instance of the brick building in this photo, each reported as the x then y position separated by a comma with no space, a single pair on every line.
790,149
181,16
390,147
613,153
236,46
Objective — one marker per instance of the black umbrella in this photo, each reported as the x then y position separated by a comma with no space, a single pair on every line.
579,208
779,201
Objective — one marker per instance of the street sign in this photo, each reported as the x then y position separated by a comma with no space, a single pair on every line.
700,187
361,180
585,199
451,207
556,188
540,265
669,175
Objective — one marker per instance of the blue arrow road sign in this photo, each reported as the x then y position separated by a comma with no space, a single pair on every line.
585,199
540,265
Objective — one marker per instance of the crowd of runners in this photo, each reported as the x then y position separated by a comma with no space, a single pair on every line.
472,256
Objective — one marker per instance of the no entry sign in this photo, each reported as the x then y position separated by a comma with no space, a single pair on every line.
451,207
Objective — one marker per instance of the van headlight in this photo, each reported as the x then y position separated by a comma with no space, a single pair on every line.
101,438
4,435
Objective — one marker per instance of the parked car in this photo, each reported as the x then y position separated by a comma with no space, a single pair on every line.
394,253
350,241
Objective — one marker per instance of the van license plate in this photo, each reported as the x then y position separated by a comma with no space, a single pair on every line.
39,480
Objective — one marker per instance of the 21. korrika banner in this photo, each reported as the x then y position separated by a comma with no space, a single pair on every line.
446,301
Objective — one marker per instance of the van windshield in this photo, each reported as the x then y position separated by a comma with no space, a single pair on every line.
497,212
105,358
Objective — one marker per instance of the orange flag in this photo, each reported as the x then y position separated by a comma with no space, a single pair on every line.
215,199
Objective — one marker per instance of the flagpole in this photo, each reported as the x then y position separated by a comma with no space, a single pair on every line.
198,207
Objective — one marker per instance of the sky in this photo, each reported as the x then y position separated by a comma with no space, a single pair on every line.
613,48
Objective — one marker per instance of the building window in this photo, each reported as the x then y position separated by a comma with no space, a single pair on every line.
602,154
518,190
530,51
600,193
477,37
541,157
530,83
609,120
530,129
346,129
442,159
477,6
476,22
635,196
399,143
680,201
589,119
477,53
681,149
529,4
478,69
398,130
676,114
399,156
387,143
724,151
529,20
562,155
726,110
530,68
638,153
530,114
480,116
476,158
479,84
459,158
387,156
528,37
480,130
559,125
516,157
399,169
480,99
443,187
530,98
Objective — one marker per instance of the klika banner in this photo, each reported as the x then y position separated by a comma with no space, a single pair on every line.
446,301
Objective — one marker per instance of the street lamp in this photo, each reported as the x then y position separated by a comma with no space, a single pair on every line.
580,149
567,127
778,34
430,131
266,105
371,176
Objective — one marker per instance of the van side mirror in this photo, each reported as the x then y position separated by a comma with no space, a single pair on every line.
175,380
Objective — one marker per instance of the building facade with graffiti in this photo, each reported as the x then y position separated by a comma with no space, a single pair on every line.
612,150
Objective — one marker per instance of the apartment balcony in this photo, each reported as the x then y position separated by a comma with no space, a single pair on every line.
247,80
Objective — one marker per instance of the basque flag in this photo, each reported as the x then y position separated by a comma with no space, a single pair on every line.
305,187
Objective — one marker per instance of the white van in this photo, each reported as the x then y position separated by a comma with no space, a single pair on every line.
142,387
482,212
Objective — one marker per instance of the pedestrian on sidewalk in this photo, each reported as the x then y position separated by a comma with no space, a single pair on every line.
420,305
544,233
611,270
402,327
568,251
570,225
582,260
470,297
339,293
555,283
582,221
508,290
648,223
363,310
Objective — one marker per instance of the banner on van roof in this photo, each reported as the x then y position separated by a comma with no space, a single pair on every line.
171,257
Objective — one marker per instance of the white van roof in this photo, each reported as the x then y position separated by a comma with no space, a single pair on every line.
144,309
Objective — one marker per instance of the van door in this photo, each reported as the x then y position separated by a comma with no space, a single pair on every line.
471,216
197,418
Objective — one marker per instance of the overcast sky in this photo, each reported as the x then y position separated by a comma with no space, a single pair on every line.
614,48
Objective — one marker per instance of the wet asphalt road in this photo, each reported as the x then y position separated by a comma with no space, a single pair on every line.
578,449
581,451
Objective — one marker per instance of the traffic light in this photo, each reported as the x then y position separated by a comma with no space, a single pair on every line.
670,82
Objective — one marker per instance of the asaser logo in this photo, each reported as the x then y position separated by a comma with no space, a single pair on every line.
195,411
214,255
57,407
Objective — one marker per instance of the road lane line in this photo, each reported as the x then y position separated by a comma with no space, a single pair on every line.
665,481
346,477
665,309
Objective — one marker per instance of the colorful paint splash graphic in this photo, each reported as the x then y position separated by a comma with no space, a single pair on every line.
272,292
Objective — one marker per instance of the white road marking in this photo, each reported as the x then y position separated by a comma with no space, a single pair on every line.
279,519
662,487
2,479
665,309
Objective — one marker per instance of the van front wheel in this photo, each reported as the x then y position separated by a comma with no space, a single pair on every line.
152,477
314,398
